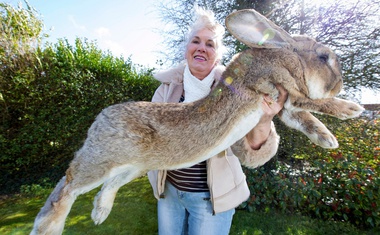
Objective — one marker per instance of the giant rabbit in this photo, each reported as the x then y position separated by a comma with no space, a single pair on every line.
127,140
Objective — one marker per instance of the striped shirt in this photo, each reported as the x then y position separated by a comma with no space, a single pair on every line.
191,179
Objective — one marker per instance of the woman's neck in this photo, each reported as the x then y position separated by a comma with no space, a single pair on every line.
200,74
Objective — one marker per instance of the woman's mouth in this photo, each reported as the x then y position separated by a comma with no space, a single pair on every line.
200,58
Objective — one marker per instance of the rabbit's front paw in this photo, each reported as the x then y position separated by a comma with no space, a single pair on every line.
348,109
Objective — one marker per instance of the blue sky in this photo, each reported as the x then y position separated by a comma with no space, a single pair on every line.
125,27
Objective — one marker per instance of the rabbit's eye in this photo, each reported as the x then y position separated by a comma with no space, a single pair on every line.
323,58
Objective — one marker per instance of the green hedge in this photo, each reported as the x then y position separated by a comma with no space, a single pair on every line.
341,184
49,98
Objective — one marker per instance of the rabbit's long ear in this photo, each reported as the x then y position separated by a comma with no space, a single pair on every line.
255,30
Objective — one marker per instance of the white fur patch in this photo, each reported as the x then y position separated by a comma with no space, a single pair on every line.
104,200
315,86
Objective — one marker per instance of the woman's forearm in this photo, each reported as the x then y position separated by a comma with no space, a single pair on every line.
259,135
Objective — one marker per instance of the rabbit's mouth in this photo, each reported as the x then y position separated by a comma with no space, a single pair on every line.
327,86
337,87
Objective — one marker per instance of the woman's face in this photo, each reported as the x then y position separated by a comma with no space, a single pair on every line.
201,53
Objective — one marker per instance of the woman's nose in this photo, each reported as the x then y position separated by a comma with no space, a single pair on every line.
202,48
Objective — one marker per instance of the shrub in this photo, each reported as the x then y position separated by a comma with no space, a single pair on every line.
50,101
341,184
50,95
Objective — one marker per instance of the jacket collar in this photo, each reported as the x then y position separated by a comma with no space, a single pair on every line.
175,75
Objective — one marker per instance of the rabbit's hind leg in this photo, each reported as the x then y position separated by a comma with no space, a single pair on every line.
104,200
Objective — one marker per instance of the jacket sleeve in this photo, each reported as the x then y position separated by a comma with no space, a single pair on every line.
159,94
255,158
155,176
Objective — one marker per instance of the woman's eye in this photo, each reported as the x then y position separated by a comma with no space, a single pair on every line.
195,42
210,45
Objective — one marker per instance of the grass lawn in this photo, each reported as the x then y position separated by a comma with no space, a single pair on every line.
134,212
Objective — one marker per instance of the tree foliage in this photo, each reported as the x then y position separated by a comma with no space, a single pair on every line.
20,30
349,27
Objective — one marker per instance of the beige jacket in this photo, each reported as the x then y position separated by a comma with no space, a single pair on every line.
225,177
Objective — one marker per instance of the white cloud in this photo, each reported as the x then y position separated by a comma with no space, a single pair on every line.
113,46
145,57
102,32
75,24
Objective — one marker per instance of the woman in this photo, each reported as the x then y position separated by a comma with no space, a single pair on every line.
201,199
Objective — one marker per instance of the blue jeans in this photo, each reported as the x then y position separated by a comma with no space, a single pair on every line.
186,213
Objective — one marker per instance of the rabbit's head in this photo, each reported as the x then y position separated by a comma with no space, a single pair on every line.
321,68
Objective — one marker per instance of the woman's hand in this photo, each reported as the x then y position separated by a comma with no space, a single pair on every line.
270,107
260,133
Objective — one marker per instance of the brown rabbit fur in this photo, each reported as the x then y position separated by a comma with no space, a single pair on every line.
127,140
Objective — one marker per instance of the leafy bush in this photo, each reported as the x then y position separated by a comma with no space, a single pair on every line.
50,100
342,184
37,190
50,95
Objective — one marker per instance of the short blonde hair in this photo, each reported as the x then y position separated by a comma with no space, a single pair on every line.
205,19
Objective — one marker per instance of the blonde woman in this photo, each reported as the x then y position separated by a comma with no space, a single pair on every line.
201,199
